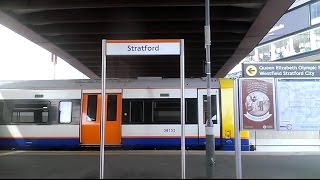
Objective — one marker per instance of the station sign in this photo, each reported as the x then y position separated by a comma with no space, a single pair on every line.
143,47
281,69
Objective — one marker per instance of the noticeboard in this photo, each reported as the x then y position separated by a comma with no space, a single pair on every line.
257,111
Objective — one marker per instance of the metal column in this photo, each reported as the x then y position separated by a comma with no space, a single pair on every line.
210,144
183,140
103,102
237,138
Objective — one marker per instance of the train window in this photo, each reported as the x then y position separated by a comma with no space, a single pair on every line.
1,110
191,111
92,108
23,117
166,111
112,108
136,108
65,112
213,107
30,113
45,117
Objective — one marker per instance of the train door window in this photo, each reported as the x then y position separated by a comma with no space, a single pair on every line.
92,108
1,110
213,107
166,112
112,108
136,108
65,112
30,113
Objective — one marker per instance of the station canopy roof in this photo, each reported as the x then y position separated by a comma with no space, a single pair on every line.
74,29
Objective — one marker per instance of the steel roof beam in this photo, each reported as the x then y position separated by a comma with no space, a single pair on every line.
93,39
131,28
36,5
137,15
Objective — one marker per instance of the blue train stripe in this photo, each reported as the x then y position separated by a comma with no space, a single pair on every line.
177,141
158,141
227,144
39,142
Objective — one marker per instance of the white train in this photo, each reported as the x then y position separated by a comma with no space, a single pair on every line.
139,113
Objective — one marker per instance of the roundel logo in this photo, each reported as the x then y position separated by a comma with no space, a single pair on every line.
251,70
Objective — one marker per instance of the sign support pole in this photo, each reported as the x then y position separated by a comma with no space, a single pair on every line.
183,141
155,47
210,144
103,103
237,130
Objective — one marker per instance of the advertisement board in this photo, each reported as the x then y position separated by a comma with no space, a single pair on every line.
257,99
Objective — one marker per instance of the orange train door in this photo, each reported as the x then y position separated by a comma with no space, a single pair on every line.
91,118
113,121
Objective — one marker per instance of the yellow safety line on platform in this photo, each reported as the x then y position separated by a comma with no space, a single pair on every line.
10,153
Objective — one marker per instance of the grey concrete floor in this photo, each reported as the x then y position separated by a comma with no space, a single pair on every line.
154,165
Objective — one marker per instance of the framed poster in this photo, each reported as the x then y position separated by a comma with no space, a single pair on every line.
256,99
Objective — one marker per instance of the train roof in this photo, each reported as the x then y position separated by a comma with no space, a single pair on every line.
110,83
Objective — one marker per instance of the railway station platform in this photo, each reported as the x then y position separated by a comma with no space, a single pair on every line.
155,164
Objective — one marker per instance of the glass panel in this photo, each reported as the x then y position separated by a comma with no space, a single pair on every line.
192,111
45,117
1,110
65,109
315,39
301,43
167,105
282,49
23,117
167,116
251,57
15,117
166,111
30,106
213,107
136,111
315,13
92,108
112,108
26,117
30,113
264,53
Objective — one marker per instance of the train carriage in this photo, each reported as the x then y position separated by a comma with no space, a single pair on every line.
143,112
